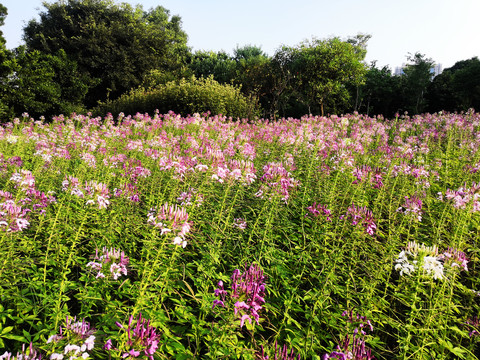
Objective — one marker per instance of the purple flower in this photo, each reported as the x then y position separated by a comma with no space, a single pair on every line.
108,345
353,347
250,288
318,209
280,354
111,261
361,215
142,338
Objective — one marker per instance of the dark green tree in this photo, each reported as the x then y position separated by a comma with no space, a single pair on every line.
380,93
219,64
466,85
283,80
441,95
43,84
252,72
5,69
416,78
457,88
326,68
115,44
359,41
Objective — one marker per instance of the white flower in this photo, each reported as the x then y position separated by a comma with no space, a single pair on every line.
403,265
179,241
11,139
74,348
6,355
90,342
433,267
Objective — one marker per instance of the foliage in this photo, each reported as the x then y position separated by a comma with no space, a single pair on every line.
253,72
380,93
457,88
186,96
323,69
5,70
416,79
114,44
220,65
170,237
43,85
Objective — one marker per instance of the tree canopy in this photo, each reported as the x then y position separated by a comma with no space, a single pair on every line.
114,44
80,53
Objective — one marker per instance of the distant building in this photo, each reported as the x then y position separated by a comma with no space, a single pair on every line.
399,70
436,70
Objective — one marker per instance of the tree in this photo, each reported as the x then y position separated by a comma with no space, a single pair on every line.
283,82
116,44
380,93
252,71
466,84
219,64
5,69
359,41
440,93
457,88
43,84
326,67
416,78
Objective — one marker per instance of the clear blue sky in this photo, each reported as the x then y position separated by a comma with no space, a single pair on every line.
445,30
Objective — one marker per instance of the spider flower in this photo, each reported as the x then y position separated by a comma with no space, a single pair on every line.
171,219
280,354
142,339
248,292
111,261
76,338
29,353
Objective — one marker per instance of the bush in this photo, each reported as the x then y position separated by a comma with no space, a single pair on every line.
186,96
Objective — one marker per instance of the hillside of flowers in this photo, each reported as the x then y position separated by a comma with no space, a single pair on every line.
168,237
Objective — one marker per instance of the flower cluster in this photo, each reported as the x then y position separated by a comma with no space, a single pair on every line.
29,353
128,191
280,354
95,192
23,179
14,214
412,207
111,260
76,338
238,170
37,201
13,217
464,196
190,197
141,338
428,259
278,179
475,324
363,172
357,215
454,258
240,223
248,291
171,219
353,346
318,209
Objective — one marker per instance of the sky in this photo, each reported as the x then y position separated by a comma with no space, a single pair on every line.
446,31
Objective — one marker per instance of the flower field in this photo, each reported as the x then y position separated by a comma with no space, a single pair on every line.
169,237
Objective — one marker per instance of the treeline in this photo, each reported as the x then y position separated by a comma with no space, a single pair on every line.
100,56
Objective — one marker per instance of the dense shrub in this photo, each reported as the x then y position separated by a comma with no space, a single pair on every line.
186,96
